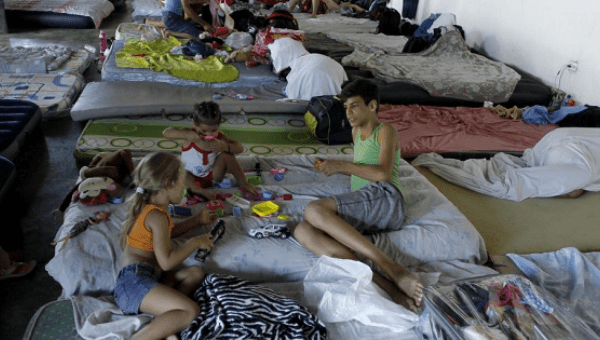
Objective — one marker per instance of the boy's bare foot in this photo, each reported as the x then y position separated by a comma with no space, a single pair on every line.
400,298
408,283
313,15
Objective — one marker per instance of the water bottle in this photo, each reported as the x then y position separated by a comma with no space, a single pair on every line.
103,44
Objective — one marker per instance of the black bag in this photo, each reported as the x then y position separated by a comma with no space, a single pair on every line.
389,22
326,118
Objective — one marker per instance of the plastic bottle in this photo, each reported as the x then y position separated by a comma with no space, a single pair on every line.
103,44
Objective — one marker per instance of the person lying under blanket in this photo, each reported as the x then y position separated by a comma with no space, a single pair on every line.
565,163
310,74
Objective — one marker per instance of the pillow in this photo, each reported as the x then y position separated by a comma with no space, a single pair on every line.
284,51
260,51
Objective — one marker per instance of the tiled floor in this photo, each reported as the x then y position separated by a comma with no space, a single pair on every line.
46,171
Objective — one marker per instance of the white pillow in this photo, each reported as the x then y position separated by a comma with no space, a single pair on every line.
284,51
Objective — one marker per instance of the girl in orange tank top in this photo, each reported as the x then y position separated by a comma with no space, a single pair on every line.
152,279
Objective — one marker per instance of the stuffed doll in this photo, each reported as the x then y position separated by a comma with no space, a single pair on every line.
81,226
96,190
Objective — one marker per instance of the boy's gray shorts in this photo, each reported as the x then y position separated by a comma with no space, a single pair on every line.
378,206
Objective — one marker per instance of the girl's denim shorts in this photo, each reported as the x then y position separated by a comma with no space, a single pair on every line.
133,283
378,206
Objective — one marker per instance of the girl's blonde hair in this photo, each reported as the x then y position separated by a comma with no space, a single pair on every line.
156,171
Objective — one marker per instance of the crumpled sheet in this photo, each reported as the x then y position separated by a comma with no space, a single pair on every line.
155,55
566,159
571,276
98,10
36,59
446,69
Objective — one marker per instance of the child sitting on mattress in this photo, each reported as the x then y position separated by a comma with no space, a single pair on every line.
174,18
151,280
334,226
207,153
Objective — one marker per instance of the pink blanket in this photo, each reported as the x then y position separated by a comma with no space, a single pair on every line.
423,129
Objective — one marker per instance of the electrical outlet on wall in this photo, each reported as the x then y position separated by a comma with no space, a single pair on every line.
573,65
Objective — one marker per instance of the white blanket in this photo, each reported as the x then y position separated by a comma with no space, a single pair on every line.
566,159
435,236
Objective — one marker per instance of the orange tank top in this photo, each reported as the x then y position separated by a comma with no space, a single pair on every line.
139,236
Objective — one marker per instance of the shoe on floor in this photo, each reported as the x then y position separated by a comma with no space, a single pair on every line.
17,269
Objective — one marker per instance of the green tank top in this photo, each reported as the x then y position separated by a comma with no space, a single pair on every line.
367,152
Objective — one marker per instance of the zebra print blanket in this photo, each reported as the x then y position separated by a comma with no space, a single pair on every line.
231,308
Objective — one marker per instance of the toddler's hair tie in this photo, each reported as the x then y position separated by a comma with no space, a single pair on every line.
140,190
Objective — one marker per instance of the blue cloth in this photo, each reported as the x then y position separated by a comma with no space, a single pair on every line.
194,47
421,32
409,8
539,115
174,6
175,22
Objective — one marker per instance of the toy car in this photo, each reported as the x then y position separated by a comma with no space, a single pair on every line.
275,230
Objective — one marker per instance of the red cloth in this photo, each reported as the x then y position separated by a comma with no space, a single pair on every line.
423,129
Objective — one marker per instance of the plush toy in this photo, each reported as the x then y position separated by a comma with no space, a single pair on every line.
95,190
117,165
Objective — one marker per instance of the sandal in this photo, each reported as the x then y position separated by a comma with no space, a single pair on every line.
17,269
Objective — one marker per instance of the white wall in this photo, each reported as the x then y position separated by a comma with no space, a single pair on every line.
538,37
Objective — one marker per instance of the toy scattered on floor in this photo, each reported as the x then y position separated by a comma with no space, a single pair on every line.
215,204
266,208
278,170
224,184
283,217
216,232
275,230
318,163
81,226
237,211
267,195
176,210
238,202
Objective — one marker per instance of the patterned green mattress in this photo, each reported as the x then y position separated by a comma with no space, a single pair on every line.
54,320
267,135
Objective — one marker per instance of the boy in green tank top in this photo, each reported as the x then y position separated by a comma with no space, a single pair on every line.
334,226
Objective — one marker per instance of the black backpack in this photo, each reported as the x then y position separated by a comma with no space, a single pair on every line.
389,22
326,118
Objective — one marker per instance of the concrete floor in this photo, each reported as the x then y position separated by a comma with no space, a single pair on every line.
46,170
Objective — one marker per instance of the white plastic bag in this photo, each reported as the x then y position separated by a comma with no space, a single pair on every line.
239,40
342,291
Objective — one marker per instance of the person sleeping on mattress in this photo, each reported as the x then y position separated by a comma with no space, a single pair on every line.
334,226
207,153
174,18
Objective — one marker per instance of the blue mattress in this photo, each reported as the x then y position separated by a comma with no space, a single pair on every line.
18,118
248,77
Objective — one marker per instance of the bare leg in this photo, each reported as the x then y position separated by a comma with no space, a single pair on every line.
227,163
573,194
174,312
315,8
185,280
292,5
322,215
190,183
322,244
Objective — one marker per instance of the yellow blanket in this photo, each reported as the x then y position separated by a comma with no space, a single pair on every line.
138,53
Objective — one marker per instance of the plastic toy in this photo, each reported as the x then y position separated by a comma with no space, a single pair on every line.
318,163
238,202
278,178
267,194
216,232
81,226
176,210
208,137
278,170
254,180
215,204
276,230
237,211
220,212
283,217
224,184
222,196
265,208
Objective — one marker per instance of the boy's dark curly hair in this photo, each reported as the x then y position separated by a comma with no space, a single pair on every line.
363,88
207,113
